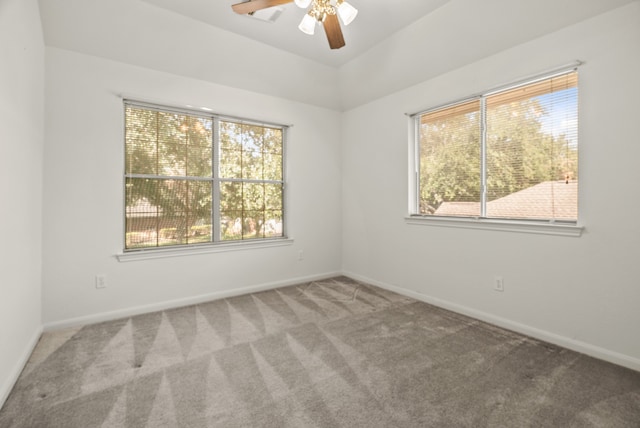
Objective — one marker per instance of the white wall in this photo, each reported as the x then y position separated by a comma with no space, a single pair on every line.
21,145
580,292
456,34
136,32
83,208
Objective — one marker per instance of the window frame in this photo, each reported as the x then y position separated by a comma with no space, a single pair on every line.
216,244
540,226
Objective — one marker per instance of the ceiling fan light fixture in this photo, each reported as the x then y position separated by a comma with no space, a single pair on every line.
327,13
308,24
346,12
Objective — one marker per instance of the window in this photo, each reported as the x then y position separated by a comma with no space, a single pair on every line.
508,154
194,179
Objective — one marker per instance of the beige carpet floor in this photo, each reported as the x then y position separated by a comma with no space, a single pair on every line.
332,353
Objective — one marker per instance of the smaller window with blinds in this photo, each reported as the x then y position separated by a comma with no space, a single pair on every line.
508,154
197,179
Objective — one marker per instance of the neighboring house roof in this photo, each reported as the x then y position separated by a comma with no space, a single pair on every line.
466,209
550,199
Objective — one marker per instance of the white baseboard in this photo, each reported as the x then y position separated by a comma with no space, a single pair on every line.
546,336
6,388
176,303
565,342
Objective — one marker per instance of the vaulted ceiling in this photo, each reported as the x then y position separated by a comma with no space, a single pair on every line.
391,45
376,21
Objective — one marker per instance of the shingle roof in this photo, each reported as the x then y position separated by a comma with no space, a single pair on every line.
547,200
465,209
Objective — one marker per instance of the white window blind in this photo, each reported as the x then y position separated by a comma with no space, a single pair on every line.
450,159
509,154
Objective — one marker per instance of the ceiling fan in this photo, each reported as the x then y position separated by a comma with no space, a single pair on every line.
325,12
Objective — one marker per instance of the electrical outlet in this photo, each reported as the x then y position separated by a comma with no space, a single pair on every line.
498,285
101,280
300,255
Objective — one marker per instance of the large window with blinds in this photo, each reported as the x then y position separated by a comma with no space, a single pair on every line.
507,154
197,179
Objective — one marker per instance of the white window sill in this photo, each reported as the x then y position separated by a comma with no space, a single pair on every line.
521,226
159,253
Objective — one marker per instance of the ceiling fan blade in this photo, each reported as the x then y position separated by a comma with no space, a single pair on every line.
334,32
253,5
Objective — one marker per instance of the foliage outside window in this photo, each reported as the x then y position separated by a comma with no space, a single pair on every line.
511,154
196,179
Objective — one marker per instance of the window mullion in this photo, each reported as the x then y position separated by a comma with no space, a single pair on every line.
483,157
215,188
416,165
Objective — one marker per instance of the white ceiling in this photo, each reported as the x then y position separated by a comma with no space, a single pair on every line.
391,45
376,21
